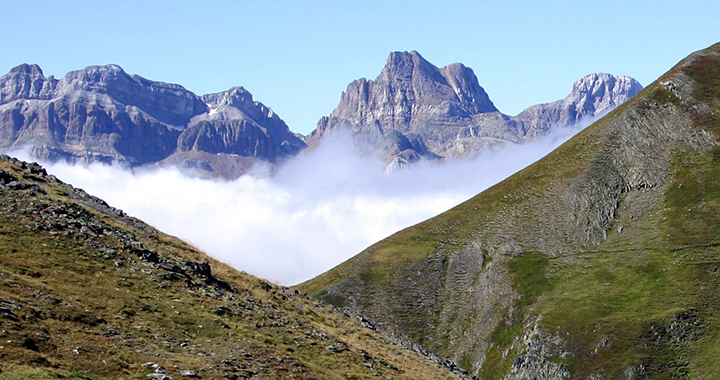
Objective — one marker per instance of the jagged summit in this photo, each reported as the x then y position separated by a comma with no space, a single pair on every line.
409,94
240,99
447,113
599,261
431,84
597,93
411,100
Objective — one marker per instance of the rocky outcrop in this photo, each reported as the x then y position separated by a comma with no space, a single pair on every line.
101,113
26,82
445,112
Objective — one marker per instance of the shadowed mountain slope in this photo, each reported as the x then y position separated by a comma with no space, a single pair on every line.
599,261
87,292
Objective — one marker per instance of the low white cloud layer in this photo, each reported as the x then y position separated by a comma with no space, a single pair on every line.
320,209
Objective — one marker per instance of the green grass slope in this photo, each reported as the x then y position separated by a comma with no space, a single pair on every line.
87,292
599,261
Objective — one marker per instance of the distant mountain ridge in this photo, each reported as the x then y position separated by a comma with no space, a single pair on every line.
103,114
412,111
415,110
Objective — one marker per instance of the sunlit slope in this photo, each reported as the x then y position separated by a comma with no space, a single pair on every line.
87,292
599,260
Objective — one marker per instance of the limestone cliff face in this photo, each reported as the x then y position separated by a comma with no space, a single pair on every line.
101,113
447,113
234,133
411,97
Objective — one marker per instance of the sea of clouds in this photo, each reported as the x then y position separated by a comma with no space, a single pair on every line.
318,210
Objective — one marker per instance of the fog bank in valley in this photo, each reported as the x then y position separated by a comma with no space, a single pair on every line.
318,210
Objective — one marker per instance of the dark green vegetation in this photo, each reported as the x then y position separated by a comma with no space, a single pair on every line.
601,260
87,292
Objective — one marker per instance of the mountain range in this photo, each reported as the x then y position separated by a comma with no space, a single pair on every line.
599,261
103,114
412,111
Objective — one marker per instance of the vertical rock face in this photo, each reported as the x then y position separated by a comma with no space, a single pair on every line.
448,114
101,113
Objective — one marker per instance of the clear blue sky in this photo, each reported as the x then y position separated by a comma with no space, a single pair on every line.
298,56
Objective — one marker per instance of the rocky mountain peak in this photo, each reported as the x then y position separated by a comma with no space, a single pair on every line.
238,103
25,82
27,69
590,97
102,113
404,65
411,72
237,97
410,96
96,77
603,91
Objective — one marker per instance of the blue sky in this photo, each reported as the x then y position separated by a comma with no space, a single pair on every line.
298,56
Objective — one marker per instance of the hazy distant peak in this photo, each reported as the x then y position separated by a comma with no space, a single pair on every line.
235,96
591,96
597,83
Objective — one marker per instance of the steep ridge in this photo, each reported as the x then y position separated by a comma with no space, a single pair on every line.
89,292
103,114
414,110
599,261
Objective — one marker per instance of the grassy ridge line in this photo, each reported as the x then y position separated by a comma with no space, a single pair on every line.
87,292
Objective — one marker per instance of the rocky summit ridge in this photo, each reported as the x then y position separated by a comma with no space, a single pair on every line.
599,261
101,113
414,110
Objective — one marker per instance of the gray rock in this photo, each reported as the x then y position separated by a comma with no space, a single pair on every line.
103,114
592,96
428,112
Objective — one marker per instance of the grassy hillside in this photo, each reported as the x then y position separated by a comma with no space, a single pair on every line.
599,261
87,292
